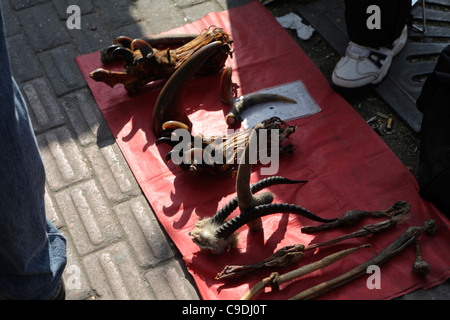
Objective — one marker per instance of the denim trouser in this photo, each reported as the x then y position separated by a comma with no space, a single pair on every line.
32,250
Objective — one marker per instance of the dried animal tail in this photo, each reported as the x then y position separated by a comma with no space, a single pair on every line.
228,228
226,210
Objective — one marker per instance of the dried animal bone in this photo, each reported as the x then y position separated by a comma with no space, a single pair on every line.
216,235
420,266
354,216
281,258
235,271
403,241
144,64
275,279
364,231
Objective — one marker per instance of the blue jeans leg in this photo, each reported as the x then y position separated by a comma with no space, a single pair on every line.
32,250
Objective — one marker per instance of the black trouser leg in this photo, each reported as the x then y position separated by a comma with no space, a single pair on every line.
434,175
393,18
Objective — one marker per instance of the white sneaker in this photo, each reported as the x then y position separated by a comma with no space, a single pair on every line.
363,65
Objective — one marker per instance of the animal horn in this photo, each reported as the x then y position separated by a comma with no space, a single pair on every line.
169,103
226,210
243,103
246,198
229,227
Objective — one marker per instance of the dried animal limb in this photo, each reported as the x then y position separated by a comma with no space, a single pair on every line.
229,271
420,266
363,232
406,239
281,258
354,216
275,279
144,64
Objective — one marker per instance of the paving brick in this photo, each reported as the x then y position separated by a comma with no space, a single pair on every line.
21,4
75,278
117,13
143,232
44,28
114,275
196,12
61,6
88,219
228,4
169,282
45,112
63,160
86,118
61,69
24,63
156,17
92,36
113,173
50,211
10,20
186,3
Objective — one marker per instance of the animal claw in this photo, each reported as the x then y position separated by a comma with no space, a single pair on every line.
124,41
124,54
142,46
226,95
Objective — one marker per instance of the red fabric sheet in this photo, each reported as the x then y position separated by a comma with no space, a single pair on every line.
348,167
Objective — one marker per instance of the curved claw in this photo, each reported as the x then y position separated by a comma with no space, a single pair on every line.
141,45
243,103
125,54
124,41
106,54
166,140
226,95
169,103
173,125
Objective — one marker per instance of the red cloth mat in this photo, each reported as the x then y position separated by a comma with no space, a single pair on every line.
348,167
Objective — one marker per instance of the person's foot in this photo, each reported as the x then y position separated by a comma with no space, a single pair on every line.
362,66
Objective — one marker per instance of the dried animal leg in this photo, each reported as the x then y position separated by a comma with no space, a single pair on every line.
363,232
354,216
144,64
420,266
283,257
276,279
405,240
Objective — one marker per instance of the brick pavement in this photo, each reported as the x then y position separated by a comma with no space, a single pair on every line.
116,247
